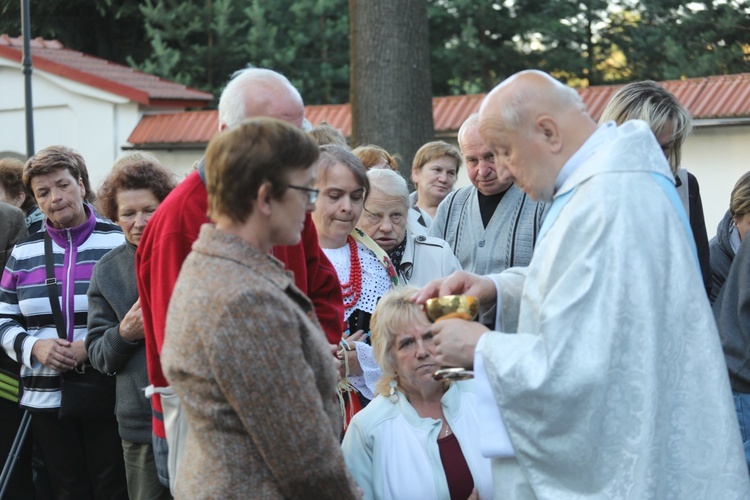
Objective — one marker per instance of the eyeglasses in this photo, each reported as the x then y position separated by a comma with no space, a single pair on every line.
312,194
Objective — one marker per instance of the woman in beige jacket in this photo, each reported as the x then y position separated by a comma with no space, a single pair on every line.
243,349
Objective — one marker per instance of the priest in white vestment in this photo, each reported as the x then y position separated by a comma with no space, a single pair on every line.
607,371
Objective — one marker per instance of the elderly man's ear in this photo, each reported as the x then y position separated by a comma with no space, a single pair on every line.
549,129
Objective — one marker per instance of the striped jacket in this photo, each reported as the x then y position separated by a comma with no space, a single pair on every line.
25,313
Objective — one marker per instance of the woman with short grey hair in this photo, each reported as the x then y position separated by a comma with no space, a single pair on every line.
417,259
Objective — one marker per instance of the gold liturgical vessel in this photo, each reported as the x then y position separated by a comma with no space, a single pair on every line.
452,306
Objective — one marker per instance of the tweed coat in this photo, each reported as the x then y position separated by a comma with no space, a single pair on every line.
245,353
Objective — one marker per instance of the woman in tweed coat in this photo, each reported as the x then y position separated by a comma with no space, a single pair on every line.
243,349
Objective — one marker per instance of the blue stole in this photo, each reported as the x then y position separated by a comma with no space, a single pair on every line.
666,184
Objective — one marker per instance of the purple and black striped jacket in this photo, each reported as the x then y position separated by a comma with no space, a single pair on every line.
25,313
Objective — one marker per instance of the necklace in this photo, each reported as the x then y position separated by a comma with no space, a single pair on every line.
352,289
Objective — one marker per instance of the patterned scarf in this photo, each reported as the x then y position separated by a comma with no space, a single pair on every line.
383,258
398,253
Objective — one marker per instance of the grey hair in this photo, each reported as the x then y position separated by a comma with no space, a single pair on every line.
470,123
389,182
234,98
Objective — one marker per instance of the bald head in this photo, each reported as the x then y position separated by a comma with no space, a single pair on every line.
471,124
259,92
534,124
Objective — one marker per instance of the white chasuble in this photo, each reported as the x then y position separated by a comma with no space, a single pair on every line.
615,384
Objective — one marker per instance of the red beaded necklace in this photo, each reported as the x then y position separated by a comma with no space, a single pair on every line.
352,289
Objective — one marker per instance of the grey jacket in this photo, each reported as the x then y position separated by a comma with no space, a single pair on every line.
112,293
507,241
722,253
732,312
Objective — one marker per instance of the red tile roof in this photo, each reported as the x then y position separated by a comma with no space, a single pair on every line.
176,128
51,56
726,96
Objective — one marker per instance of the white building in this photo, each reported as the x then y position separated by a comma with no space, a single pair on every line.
82,102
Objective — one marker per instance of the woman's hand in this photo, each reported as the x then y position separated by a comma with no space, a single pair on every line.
54,353
79,352
350,351
131,326
474,494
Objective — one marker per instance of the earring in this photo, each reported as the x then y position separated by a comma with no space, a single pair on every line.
394,394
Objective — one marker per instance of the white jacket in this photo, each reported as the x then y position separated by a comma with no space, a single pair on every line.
393,453
425,259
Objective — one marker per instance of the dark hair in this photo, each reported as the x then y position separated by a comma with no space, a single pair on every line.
331,155
137,170
54,158
11,179
239,160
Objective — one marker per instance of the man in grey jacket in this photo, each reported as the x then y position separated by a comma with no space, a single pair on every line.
491,225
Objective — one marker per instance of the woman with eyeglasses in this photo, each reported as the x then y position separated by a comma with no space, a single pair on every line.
244,350
417,259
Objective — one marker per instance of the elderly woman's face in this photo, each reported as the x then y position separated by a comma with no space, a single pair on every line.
338,207
413,351
60,196
384,219
134,209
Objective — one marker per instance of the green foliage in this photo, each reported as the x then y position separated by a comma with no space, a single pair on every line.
105,28
201,43
665,39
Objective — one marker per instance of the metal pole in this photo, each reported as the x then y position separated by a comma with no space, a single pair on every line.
15,452
26,22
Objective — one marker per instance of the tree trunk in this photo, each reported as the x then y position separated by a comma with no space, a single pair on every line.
390,92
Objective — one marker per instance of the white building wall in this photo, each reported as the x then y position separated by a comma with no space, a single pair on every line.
717,156
93,122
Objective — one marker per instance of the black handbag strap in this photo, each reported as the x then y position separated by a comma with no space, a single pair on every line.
51,282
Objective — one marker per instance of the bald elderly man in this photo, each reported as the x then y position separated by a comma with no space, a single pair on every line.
613,384
491,225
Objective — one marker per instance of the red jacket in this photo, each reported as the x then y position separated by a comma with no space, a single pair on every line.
166,243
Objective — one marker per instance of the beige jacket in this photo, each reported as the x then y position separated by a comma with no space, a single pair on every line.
246,355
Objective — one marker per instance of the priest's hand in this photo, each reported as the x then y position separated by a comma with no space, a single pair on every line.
460,283
455,341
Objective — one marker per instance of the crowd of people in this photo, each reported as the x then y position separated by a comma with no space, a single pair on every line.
257,329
